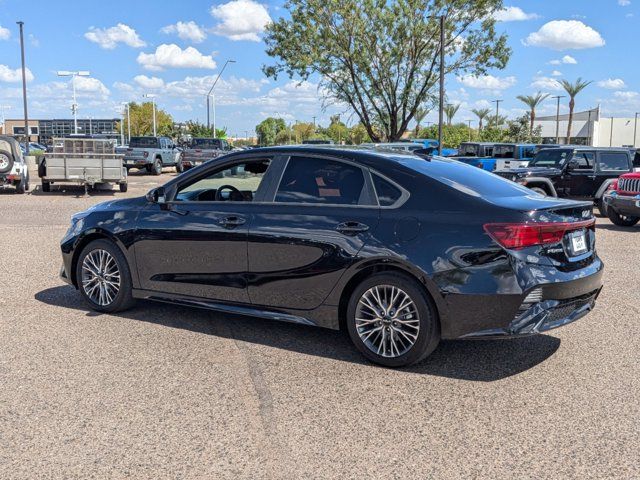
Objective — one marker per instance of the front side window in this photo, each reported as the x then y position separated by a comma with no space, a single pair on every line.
235,183
614,162
318,180
554,158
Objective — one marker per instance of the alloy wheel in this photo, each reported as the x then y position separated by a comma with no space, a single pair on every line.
100,277
387,321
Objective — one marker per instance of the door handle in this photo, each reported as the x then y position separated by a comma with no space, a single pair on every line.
352,228
232,221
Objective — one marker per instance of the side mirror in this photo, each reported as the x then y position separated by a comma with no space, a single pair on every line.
156,195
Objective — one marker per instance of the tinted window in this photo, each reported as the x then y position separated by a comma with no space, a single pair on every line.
143,142
316,180
584,160
528,152
550,158
244,177
614,161
387,193
468,150
504,151
206,143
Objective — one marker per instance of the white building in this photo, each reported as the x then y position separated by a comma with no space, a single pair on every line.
591,128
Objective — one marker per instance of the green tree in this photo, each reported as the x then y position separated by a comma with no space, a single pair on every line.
492,134
532,101
481,113
452,135
572,90
141,115
381,58
519,131
268,129
358,134
337,131
450,111
304,131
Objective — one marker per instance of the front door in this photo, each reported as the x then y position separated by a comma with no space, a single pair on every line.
323,213
196,243
580,181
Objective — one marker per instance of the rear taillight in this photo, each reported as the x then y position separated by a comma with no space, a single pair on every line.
522,235
145,154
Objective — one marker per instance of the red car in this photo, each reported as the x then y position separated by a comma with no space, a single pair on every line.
622,200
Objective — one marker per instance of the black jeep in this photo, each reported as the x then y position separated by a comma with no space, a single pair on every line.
582,173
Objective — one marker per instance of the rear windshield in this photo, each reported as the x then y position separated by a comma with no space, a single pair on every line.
143,142
206,143
465,178
504,151
550,158
468,150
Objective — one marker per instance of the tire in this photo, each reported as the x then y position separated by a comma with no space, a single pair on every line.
539,190
602,207
21,185
6,161
621,220
26,183
406,353
110,299
46,187
124,187
156,168
179,166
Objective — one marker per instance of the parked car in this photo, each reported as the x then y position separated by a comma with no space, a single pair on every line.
432,144
202,149
345,238
582,173
513,155
152,154
477,154
13,168
622,200
399,146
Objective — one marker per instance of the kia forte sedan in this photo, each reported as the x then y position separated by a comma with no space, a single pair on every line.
399,251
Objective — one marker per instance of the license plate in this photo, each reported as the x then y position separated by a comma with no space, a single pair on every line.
578,243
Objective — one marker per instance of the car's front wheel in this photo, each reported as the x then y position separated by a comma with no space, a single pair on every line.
621,220
392,321
103,277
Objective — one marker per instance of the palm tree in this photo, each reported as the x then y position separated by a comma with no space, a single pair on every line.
419,116
572,90
481,114
450,111
532,101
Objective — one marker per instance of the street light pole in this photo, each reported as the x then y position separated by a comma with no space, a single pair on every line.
128,123
558,97
152,96
635,129
497,102
441,99
214,99
2,109
74,105
24,90
469,129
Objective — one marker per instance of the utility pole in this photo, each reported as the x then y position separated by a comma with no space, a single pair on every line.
635,129
24,90
128,123
152,96
441,100
558,97
497,102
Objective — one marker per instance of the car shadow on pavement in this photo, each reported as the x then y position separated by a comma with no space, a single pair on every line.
473,360
615,228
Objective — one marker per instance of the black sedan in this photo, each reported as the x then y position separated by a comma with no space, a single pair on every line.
398,250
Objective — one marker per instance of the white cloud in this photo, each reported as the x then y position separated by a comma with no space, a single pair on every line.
556,73
241,19
123,87
91,85
624,3
187,31
149,82
545,83
172,56
5,33
565,35
612,84
14,75
555,62
568,59
488,82
513,14
108,38
626,95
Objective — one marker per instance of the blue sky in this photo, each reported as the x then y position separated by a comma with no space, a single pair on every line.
176,49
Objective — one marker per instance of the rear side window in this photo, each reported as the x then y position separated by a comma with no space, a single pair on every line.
585,160
318,180
614,162
388,194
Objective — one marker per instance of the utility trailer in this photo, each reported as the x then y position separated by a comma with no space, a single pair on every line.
82,161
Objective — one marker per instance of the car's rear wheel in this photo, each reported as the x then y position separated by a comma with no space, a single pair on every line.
157,167
621,220
179,166
103,277
392,321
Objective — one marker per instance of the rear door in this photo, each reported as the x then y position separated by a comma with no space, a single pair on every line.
322,212
612,165
582,181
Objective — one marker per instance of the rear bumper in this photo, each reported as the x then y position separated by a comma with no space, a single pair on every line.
623,204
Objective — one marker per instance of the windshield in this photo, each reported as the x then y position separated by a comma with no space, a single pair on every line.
206,143
504,151
143,142
468,150
550,158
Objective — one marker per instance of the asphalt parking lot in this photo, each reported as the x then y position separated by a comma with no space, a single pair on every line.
168,392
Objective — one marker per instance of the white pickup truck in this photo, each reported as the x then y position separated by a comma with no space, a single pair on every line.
13,168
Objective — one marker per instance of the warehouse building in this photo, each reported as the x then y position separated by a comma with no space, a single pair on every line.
43,131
